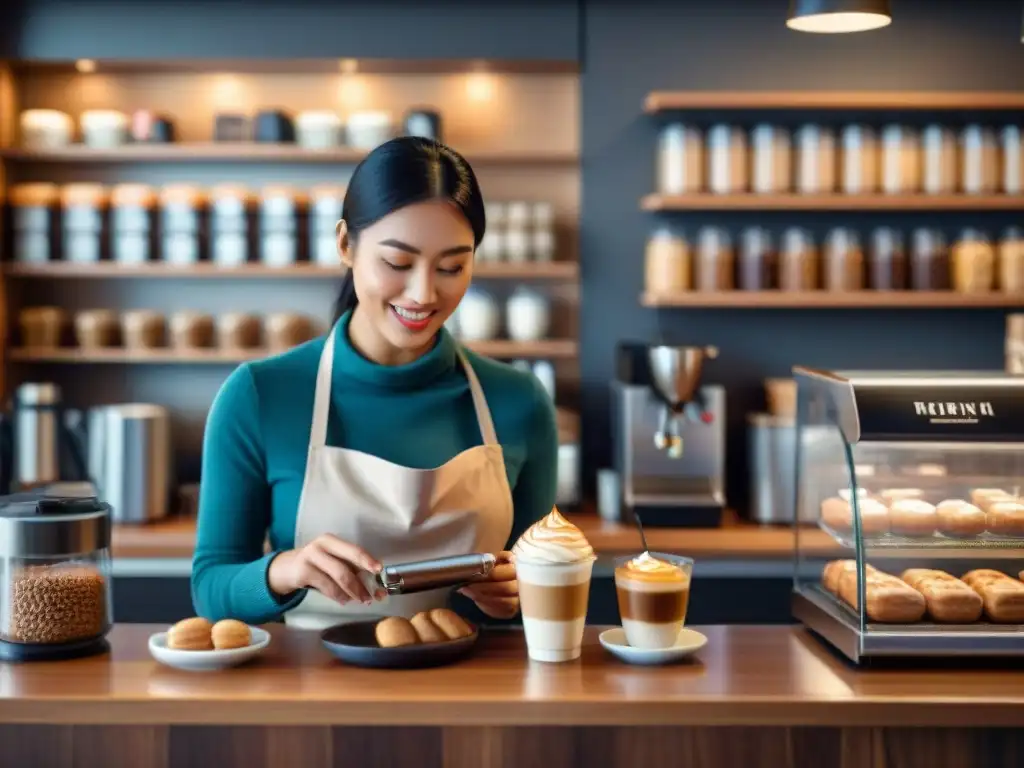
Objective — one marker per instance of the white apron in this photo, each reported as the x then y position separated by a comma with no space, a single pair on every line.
396,513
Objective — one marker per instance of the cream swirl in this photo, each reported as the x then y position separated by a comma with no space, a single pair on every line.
649,568
553,539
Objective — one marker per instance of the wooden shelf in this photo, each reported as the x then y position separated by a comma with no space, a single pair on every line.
835,300
244,152
661,101
552,270
503,349
796,202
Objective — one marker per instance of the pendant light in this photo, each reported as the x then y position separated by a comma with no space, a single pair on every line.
836,16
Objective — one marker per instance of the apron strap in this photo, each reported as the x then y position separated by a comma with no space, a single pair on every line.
483,413
322,396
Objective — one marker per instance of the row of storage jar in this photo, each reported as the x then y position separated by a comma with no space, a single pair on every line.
519,231
135,223
793,262
814,160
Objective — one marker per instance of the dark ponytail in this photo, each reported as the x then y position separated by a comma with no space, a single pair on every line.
402,172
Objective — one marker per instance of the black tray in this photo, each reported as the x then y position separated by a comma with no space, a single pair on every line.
355,643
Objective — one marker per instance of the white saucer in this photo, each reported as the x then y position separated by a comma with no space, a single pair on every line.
689,642
207,661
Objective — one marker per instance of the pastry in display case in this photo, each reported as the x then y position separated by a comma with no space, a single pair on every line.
917,477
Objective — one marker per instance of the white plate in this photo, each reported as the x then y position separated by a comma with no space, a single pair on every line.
689,642
206,661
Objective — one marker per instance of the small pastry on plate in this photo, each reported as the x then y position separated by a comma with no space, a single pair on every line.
195,634
426,629
838,515
395,632
912,517
959,519
449,622
1006,517
230,633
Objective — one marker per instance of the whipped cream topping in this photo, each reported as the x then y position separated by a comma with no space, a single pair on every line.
553,539
646,565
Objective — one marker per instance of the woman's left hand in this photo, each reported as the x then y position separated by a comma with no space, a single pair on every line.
498,594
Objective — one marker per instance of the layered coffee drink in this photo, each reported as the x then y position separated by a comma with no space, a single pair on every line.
554,562
654,593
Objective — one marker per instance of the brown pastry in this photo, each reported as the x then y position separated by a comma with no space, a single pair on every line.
949,600
834,571
1005,517
426,629
959,518
838,515
1003,596
394,632
912,517
889,495
449,622
195,634
230,633
889,600
982,497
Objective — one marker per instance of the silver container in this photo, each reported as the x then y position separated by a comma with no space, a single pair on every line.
772,456
426,575
129,459
37,434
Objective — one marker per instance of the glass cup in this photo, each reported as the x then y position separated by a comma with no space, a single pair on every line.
652,604
553,599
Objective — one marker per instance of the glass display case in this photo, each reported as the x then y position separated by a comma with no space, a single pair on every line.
916,478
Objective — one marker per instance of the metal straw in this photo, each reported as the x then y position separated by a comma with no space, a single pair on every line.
640,527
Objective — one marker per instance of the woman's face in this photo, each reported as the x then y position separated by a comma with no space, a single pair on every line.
411,270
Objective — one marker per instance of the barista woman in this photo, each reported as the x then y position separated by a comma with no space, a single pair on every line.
385,440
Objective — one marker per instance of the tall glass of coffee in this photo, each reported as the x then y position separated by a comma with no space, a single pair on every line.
654,592
554,562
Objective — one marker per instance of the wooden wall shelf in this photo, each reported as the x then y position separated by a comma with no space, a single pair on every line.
551,270
835,300
253,153
796,202
662,101
501,349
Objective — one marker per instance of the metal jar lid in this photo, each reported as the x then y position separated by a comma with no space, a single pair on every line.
41,526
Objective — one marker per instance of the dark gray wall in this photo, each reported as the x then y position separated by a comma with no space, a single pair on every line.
635,47
224,29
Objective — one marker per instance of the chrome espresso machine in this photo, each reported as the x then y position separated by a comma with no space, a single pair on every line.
669,435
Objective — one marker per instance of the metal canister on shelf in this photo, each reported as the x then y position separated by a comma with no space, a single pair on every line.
668,264
34,208
714,269
680,168
929,261
843,261
84,216
757,265
798,261
887,260
132,222
972,261
180,229
1011,261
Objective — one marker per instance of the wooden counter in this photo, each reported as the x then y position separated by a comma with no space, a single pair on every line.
735,539
755,696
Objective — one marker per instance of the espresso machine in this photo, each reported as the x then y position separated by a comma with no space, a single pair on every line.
669,436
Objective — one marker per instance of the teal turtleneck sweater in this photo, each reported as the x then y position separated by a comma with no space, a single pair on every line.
418,415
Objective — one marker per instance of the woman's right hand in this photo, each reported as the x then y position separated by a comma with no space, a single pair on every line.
328,565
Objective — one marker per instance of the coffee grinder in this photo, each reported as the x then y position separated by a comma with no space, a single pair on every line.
669,436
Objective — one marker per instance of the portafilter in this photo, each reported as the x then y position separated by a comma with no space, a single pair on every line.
675,376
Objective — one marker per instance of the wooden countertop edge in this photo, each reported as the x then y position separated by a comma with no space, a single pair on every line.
703,711
735,539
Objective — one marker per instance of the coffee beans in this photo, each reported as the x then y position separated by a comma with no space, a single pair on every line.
51,604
